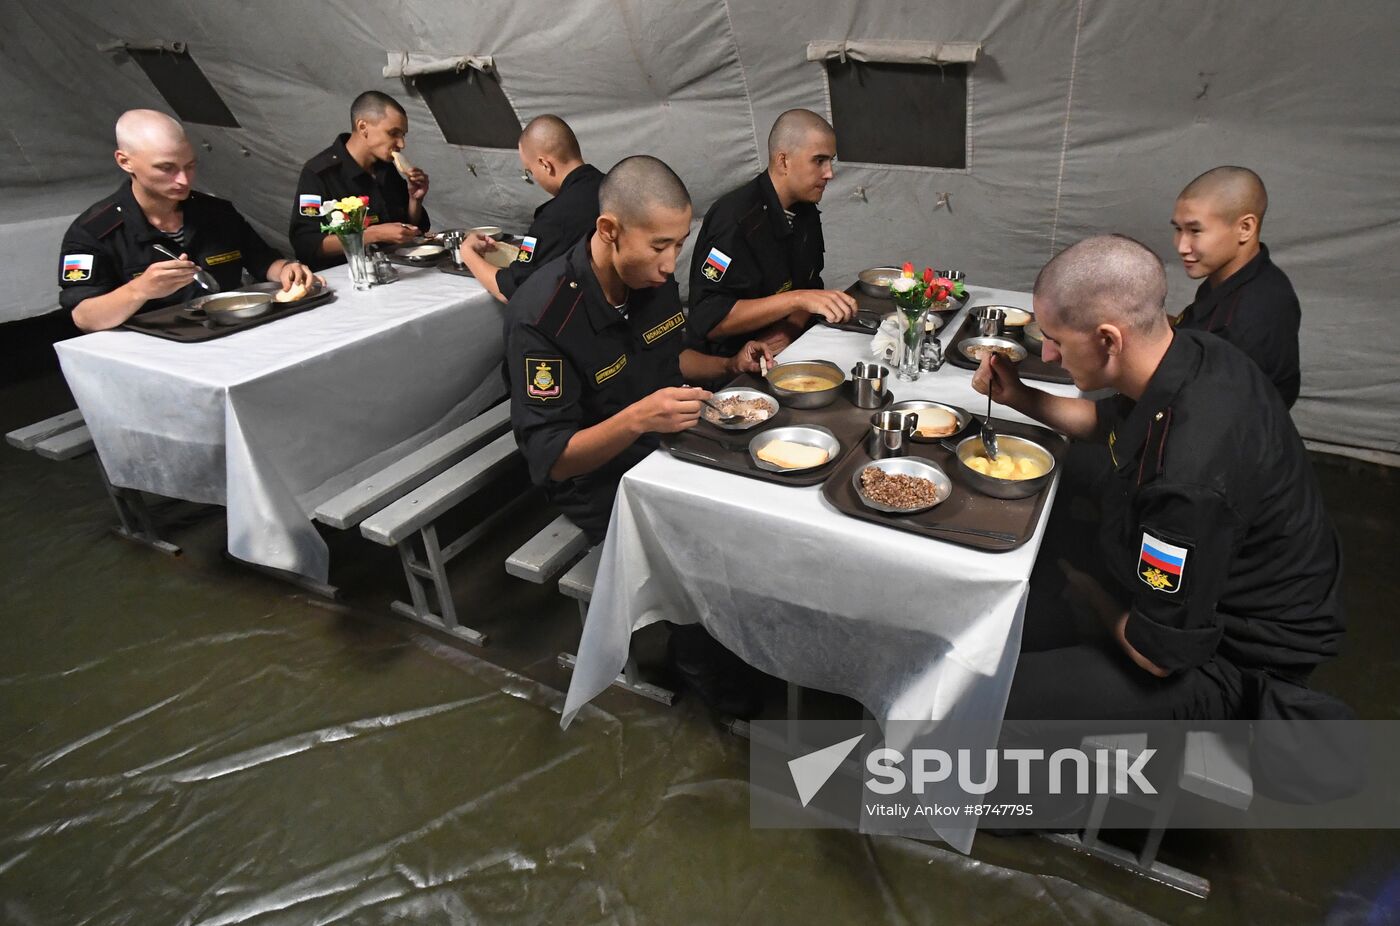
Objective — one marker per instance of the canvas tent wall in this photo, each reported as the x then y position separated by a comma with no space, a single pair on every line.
1083,116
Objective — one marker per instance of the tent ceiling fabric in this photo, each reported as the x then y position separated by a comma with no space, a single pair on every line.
1084,116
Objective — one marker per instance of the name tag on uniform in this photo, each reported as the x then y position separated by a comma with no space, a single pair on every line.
224,258
611,370
1161,565
76,268
309,204
665,328
715,264
527,251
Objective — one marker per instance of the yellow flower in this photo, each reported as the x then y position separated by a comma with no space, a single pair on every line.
349,204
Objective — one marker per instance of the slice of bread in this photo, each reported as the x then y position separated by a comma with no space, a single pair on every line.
936,422
401,164
790,455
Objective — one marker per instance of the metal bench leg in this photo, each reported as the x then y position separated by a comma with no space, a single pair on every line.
136,523
629,679
431,576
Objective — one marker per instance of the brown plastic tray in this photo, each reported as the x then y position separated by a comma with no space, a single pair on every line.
173,323
966,509
848,423
1033,367
873,309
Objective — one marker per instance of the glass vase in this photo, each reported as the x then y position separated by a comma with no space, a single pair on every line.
911,342
361,267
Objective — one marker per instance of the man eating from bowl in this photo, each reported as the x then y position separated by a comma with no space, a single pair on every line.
109,268
366,161
1243,297
757,265
1225,568
550,155
596,359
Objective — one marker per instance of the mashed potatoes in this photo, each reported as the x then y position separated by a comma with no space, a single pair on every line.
803,382
1013,466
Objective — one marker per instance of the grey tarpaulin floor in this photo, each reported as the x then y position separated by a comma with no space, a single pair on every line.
182,741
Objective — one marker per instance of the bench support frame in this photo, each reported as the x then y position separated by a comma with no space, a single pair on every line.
136,522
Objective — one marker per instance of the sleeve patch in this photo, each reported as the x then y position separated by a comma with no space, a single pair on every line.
309,204
544,378
527,250
716,263
76,268
1161,565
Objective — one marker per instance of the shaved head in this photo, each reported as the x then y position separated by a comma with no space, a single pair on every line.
1108,279
147,130
551,137
639,186
371,107
1232,192
794,129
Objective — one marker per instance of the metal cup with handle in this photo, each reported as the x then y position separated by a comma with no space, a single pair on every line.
868,385
890,434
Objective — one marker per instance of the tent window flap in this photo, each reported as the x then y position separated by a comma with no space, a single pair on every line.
179,79
899,114
465,96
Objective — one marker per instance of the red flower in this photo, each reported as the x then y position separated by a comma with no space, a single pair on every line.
928,274
365,200
928,294
908,268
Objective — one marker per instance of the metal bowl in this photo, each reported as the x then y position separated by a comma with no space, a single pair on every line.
421,253
1014,352
818,398
811,434
1004,488
876,280
1034,338
489,231
906,466
234,307
917,405
768,401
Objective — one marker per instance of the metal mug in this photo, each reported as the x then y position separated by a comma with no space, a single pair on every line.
868,385
452,240
890,433
990,322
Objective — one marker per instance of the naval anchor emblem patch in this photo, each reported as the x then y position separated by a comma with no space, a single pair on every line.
76,268
715,264
544,379
1160,564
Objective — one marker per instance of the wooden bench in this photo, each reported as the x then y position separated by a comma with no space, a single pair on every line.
1212,766
563,546
410,522
66,437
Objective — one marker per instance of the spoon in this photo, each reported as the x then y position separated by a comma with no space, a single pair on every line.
202,277
723,416
989,436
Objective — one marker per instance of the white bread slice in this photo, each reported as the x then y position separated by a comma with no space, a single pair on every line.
401,163
936,422
790,455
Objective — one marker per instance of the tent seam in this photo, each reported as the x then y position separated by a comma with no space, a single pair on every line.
1064,142
744,79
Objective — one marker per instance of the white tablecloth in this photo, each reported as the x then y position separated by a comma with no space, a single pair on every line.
275,420
912,628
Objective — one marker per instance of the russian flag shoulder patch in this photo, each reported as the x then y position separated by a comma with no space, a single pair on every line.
1161,565
715,264
527,250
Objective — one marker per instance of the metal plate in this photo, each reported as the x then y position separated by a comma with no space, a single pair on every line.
905,466
420,253
916,405
768,401
810,434
1013,351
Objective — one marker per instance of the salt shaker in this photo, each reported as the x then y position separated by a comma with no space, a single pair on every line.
931,357
384,271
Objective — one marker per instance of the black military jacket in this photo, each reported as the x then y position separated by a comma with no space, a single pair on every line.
1213,520
1256,310
558,224
112,243
747,249
573,361
334,174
